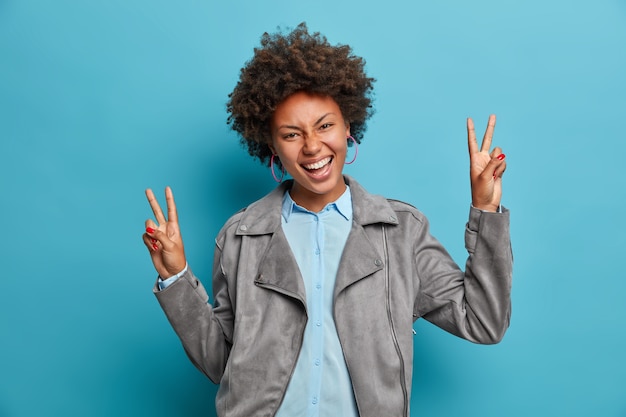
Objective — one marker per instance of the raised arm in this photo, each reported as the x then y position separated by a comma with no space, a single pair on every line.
200,327
474,304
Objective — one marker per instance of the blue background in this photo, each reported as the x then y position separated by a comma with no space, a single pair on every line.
99,100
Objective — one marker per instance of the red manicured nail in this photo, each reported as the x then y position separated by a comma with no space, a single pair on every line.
153,240
501,156
149,230
155,247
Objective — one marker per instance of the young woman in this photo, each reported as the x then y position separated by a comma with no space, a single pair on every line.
317,285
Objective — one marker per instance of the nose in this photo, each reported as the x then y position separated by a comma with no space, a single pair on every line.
312,145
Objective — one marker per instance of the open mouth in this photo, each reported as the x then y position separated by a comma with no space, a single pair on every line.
317,166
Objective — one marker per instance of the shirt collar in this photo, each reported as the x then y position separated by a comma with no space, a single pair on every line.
343,205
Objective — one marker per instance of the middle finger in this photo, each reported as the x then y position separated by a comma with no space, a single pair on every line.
488,133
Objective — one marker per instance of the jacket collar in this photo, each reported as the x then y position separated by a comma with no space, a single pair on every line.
263,216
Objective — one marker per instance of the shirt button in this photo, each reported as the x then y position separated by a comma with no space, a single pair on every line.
318,286
317,251
378,262
314,400
243,227
317,362
318,324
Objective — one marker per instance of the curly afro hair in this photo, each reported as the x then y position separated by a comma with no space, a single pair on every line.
297,61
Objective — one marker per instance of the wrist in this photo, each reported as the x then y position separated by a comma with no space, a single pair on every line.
487,207
179,272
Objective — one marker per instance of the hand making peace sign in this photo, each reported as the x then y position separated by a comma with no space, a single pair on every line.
486,168
163,240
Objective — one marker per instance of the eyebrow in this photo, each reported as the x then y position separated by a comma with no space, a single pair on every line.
318,121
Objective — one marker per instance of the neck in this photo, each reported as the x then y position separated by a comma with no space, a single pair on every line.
312,201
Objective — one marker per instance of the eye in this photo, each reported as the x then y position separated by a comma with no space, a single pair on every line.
325,126
291,135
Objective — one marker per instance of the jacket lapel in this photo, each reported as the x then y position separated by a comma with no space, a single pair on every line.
359,259
279,270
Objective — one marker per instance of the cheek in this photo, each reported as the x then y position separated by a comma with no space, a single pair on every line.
342,145
287,154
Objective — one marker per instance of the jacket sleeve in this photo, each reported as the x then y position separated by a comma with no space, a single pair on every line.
475,304
205,330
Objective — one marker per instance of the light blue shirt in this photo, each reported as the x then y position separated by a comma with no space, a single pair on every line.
320,384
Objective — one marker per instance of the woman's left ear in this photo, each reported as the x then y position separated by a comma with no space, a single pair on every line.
347,129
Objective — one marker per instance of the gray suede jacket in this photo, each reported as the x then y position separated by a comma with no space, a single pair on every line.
391,273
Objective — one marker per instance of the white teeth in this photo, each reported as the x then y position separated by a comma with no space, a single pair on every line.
318,164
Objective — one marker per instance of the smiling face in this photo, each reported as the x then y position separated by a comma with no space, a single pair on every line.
309,135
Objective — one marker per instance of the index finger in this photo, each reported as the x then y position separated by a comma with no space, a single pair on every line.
488,133
154,205
471,137
172,214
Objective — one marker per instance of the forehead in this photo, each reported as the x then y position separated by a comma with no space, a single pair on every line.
304,107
